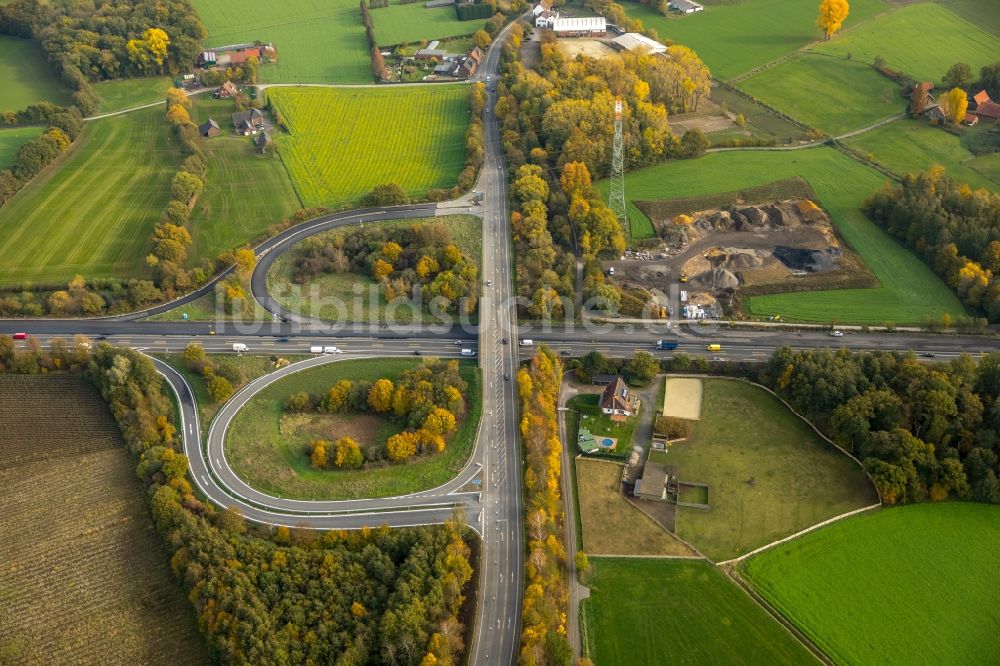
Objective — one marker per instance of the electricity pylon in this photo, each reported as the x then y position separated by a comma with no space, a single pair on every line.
616,198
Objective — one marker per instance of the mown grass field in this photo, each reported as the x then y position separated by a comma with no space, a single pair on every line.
246,193
12,139
914,145
404,24
769,474
336,296
902,36
414,137
612,526
92,212
85,577
317,41
733,38
988,166
983,13
26,75
908,585
126,93
655,611
832,94
909,289
276,462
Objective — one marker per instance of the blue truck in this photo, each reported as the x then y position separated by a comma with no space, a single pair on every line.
666,344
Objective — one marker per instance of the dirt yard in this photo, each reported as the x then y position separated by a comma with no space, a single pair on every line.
610,525
682,398
572,47
368,430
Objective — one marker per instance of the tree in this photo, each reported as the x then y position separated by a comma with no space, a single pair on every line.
643,367
245,260
185,186
831,16
194,356
298,402
318,455
575,178
958,75
347,454
440,421
380,395
582,563
338,396
482,39
955,103
401,446
989,77
219,388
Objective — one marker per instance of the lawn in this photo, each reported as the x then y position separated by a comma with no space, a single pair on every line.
12,139
414,137
832,94
909,289
983,13
611,525
85,579
988,166
404,24
317,41
275,462
733,38
901,37
93,211
247,192
349,296
598,424
914,145
26,75
127,93
769,474
907,585
656,611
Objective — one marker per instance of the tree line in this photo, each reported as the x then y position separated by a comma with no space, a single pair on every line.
956,229
266,595
427,401
922,431
543,633
420,261
64,126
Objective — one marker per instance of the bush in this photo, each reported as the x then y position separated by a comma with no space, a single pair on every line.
672,427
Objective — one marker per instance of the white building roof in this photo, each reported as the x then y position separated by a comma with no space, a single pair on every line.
634,41
586,24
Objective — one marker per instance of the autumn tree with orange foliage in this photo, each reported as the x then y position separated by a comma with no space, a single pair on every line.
831,16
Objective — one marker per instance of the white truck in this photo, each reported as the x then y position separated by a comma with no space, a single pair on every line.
316,349
240,348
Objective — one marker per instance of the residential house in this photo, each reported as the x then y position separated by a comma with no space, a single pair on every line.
685,6
540,8
925,93
210,128
263,141
248,122
546,18
653,484
227,90
617,401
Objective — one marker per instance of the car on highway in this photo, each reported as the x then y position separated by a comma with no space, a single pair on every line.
489,283
417,352
504,341
506,376
282,339
102,336
927,354
20,336
714,347
836,334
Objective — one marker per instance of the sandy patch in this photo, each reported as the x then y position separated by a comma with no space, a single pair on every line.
682,398
573,47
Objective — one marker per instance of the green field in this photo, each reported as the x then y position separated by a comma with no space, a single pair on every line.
654,611
769,474
913,145
337,296
909,289
909,585
127,93
414,137
733,38
902,38
832,94
26,75
12,139
276,462
404,24
317,42
92,212
988,166
246,192
983,13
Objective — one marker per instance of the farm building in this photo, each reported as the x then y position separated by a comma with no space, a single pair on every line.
209,128
634,41
685,6
263,141
617,401
207,59
248,122
971,120
653,484
226,90
540,8
546,18
240,57
590,26
986,109
429,54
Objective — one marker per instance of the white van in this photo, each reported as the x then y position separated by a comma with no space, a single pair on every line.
468,352
239,347
526,342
